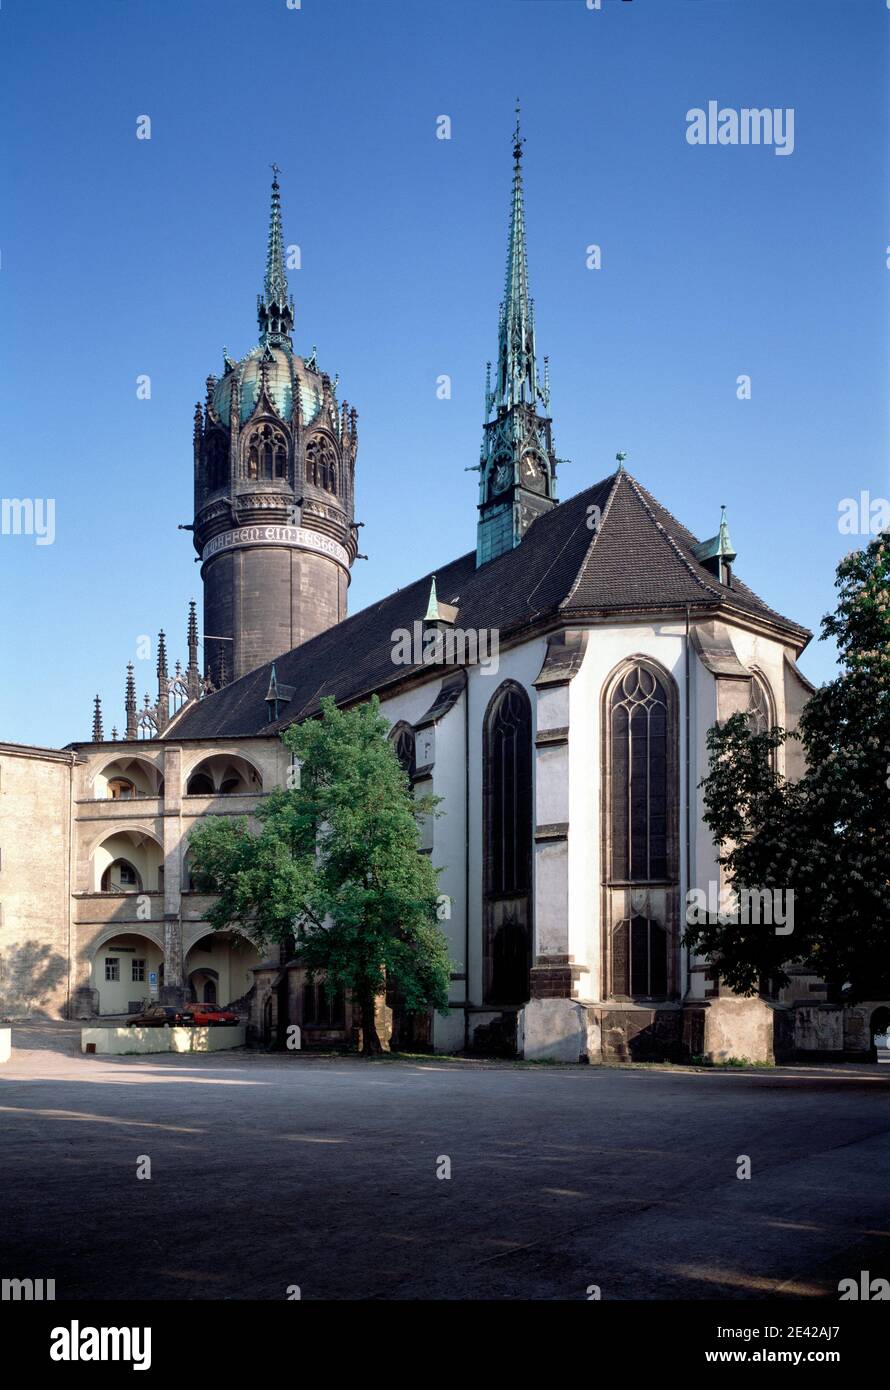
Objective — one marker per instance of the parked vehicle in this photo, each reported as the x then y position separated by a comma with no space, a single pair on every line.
158,1016
209,1014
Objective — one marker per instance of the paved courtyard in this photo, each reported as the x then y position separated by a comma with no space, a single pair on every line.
274,1171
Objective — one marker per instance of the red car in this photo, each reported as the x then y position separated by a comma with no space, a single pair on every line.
204,1014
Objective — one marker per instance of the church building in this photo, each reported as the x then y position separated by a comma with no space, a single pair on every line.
554,685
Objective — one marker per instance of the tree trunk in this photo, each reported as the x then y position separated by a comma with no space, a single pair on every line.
370,1041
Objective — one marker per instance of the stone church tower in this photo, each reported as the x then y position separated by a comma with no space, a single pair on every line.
274,491
517,470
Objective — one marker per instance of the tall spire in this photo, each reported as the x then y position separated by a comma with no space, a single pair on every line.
517,469
517,380
98,735
275,309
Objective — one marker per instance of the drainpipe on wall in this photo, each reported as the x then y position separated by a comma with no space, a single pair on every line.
68,885
467,863
688,767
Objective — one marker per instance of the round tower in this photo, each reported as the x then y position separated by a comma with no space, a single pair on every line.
274,491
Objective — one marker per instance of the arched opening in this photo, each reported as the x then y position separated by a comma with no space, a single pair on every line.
223,774
507,852
121,877
127,972
128,779
121,789
199,784
321,463
639,805
128,861
221,963
265,454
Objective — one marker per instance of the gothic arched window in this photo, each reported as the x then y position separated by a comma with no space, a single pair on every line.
639,958
638,765
321,463
404,744
760,715
265,455
508,814
121,877
640,808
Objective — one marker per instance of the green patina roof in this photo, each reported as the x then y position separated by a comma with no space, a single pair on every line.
279,375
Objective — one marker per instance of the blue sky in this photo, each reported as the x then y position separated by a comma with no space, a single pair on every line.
123,256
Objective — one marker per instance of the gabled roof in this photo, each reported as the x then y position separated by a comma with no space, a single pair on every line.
637,559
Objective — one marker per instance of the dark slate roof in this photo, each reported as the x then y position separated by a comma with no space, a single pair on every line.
640,559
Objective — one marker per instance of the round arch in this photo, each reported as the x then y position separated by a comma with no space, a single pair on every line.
145,776
126,968
135,845
222,774
227,958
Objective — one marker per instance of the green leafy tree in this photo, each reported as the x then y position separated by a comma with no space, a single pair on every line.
335,864
825,836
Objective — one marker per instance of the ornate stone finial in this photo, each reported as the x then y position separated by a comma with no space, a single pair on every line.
130,702
114,733
98,735
275,309
193,671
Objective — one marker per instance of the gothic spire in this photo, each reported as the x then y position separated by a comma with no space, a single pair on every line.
517,468
162,655
275,309
163,705
193,670
98,735
517,379
130,702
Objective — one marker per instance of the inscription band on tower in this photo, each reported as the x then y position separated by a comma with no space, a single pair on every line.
296,537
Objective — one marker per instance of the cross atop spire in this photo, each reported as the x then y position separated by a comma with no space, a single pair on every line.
275,309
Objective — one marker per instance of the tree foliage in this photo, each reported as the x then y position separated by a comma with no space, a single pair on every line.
335,864
825,836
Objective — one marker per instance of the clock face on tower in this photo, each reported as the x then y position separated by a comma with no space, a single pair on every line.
502,476
531,473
